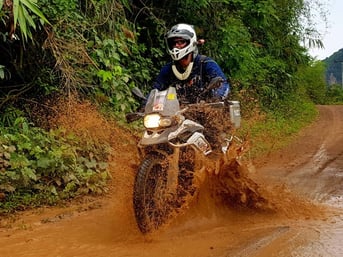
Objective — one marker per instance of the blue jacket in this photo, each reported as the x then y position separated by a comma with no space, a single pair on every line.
204,69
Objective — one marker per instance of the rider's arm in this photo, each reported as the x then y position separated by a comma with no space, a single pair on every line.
162,80
213,70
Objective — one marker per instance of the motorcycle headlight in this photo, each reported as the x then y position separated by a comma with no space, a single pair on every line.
156,121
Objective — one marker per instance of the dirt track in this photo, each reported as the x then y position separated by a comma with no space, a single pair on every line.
303,184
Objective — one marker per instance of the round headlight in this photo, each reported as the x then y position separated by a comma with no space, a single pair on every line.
152,121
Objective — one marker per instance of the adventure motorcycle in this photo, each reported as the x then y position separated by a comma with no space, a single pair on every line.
173,152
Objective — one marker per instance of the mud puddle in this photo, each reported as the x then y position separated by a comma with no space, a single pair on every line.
282,208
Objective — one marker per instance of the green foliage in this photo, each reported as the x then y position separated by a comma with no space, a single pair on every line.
120,67
52,165
334,94
2,71
97,52
27,15
237,55
277,128
9,116
312,79
21,9
58,10
67,43
114,82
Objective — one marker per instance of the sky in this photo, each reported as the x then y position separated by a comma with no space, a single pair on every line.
333,38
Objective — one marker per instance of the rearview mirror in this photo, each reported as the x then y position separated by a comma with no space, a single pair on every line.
137,92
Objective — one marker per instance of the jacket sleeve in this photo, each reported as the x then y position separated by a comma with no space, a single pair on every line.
213,70
162,80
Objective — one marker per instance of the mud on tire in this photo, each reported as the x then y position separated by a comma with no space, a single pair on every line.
151,202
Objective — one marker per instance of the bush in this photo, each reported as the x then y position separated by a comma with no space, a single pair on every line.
39,167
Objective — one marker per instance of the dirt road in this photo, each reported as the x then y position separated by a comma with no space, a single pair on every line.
304,216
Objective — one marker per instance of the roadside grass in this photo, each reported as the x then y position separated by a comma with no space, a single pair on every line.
274,130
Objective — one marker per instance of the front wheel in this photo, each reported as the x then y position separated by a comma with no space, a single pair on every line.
151,201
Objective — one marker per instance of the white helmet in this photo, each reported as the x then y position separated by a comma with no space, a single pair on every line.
186,32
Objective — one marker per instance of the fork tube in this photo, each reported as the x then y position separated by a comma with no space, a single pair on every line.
173,171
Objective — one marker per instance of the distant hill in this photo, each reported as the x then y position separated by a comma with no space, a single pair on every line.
334,68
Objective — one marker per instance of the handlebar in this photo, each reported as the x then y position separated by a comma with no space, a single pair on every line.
203,104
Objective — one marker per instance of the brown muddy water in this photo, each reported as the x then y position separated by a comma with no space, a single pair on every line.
289,203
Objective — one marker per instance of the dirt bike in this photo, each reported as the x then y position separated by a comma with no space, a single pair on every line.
173,152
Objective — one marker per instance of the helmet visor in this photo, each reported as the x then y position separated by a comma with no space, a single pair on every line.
177,42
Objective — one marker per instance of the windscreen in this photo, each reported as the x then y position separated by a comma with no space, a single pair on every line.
164,102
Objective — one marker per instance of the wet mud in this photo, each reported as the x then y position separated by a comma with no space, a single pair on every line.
289,203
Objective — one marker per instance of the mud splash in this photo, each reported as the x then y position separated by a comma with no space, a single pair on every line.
269,219
235,188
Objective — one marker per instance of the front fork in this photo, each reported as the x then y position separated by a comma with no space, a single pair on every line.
173,172
172,156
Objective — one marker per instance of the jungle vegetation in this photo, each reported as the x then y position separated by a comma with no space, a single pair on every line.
100,49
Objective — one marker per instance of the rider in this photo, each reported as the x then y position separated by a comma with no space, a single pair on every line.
189,71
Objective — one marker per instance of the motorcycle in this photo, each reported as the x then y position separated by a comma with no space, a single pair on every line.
173,151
